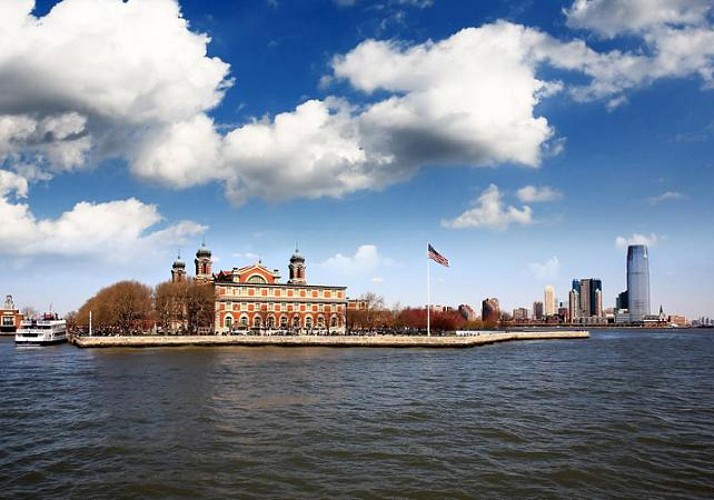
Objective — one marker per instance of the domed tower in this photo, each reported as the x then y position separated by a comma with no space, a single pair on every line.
203,263
178,270
297,269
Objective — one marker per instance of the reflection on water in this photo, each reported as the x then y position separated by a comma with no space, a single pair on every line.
624,414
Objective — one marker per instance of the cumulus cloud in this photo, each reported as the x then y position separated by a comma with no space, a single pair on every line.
311,152
534,194
667,196
547,270
10,182
365,259
491,213
613,17
468,99
92,79
676,40
113,230
636,239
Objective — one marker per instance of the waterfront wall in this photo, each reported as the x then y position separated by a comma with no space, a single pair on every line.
482,338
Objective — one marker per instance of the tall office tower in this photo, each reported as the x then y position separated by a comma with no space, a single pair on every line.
490,311
549,300
638,282
589,297
584,299
537,310
622,302
574,304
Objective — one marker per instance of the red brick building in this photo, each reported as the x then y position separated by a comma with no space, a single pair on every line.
252,298
10,317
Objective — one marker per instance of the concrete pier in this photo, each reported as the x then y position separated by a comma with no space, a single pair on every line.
452,342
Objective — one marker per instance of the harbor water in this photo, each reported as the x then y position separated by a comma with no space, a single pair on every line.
624,414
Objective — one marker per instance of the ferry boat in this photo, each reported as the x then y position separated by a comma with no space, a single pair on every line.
42,329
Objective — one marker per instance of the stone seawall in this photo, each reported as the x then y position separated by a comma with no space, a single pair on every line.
452,342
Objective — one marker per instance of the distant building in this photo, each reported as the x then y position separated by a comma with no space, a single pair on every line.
203,264
520,314
574,305
357,305
588,293
490,311
178,270
252,297
562,313
549,301
678,321
10,316
638,282
438,308
467,312
537,310
622,302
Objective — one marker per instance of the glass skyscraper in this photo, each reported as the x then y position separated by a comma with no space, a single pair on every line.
638,282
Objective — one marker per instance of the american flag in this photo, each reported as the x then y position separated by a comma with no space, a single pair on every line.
437,257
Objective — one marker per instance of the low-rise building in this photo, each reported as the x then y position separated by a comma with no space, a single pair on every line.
10,316
252,298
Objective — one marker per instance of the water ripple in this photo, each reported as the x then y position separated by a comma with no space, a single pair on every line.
623,415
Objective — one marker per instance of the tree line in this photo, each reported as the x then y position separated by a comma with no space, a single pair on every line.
373,315
133,308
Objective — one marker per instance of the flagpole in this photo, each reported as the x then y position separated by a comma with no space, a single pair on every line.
428,295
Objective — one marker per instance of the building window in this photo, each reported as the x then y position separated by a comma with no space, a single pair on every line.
257,322
228,322
244,320
320,322
283,322
256,278
333,322
308,322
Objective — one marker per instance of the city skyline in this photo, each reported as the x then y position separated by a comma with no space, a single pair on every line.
530,144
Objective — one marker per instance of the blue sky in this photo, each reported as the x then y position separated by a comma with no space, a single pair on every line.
529,142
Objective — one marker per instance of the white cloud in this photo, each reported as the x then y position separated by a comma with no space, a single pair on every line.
534,194
102,79
491,213
93,79
613,17
312,152
676,40
11,182
114,230
668,196
468,99
636,239
365,259
548,270
377,279
182,154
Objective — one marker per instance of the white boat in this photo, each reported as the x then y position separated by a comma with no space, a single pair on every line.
42,329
